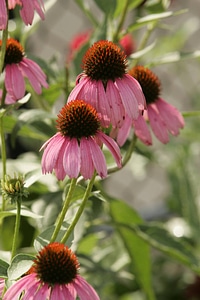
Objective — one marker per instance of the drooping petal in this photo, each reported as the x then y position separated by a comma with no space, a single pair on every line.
124,131
34,73
15,290
3,15
51,153
77,92
103,104
117,111
14,81
84,290
142,131
171,116
158,126
61,292
59,167
137,90
128,98
97,158
72,159
112,146
87,167
28,8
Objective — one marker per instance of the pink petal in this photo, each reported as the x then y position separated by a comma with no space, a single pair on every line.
84,289
61,292
97,158
124,131
171,116
22,284
87,167
3,15
77,93
117,112
34,73
142,131
128,98
51,153
14,81
27,12
71,159
137,91
158,126
112,146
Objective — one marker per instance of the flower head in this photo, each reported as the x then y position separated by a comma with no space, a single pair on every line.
54,275
106,85
17,66
76,147
13,188
128,44
162,116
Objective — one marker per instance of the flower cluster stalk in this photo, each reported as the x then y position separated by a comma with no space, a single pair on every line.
61,217
80,209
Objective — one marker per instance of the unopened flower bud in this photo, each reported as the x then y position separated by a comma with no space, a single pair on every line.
13,188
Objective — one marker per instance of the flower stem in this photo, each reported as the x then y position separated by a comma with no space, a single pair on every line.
80,210
121,22
3,157
17,224
127,155
61,217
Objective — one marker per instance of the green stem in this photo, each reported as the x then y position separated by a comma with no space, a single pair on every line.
87,12
144,41
4,42
17,224
64,210
121,22
3,157
127,155
80,210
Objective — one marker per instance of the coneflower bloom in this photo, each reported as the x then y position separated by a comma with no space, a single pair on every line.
53,276
76,147
163,117
28,7
16,67
105,84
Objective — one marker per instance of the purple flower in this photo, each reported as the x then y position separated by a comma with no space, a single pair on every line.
106,86
163,117
54,276
16,67
76,148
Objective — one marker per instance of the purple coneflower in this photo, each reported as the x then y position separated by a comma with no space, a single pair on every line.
163,117
16,67
53,276
76,147
105,84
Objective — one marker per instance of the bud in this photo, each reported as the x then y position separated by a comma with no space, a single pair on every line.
13,188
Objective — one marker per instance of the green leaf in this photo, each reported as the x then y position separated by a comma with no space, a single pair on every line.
137,248
161,239
152,18
174,57
121,5
44,238
3,268
20,264
106,6
24,212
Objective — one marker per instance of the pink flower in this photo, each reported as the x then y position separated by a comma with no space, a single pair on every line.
76,148
127,43
28,9
163,117
54,275
106,86
17,66
77,42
